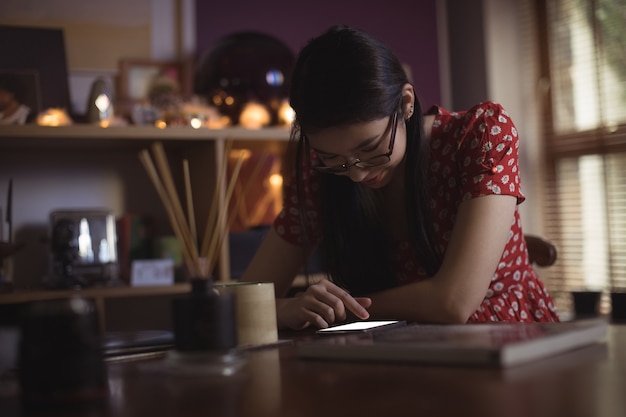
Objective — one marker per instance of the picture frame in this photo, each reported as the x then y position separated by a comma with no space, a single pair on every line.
85,239
37,57
29,84
135,77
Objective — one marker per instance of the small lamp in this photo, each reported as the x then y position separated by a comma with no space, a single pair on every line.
100,104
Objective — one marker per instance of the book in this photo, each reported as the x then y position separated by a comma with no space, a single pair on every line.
135,240
136,342
486,344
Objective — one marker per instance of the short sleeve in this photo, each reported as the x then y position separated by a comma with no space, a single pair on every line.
488,153
289,222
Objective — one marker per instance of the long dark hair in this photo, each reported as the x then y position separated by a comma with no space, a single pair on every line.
342,77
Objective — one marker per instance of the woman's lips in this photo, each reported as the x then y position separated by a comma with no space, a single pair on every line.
372,181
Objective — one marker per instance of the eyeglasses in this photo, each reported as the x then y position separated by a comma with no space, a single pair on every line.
359,163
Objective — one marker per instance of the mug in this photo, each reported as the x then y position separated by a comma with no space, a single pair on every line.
618,305
586,303
255,306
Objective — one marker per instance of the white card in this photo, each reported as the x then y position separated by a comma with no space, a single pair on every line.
152,272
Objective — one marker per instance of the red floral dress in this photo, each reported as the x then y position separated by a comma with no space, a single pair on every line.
473,153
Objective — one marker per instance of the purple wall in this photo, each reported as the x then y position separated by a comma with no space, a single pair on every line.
409,27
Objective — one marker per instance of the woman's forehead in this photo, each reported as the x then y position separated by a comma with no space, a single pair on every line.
348,136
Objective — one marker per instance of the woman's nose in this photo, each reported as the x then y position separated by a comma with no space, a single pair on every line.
357,174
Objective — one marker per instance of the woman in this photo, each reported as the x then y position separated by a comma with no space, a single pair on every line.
415,215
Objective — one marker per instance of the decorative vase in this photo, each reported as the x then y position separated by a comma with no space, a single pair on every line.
100,102
204,320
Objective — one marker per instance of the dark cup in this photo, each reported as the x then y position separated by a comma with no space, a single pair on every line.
586,303
204,320
60,360
618,306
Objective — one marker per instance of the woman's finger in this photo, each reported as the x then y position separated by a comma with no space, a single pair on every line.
325,303
352,304
364,301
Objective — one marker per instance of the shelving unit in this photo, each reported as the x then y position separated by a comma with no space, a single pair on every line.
102,297
84,166
141,133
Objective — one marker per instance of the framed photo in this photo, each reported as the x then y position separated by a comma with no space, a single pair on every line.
91,233
36,58
84,242
25,85
137,76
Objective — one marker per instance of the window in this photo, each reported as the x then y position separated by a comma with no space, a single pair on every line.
584,61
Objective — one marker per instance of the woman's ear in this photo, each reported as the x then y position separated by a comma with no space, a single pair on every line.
408,101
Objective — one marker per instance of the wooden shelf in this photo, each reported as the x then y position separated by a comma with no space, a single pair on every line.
96,293
76,160
88,135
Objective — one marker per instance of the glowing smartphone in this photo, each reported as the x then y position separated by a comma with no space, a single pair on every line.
360,326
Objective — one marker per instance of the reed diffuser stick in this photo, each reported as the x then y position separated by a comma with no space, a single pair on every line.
219,186
240,199
190,209
220,224
164,169
146,160
200,263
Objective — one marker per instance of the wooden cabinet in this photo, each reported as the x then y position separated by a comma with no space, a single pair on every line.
86,166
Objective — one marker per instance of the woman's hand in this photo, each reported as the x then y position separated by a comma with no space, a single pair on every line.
321,305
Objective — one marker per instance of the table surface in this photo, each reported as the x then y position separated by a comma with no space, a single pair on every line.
589,382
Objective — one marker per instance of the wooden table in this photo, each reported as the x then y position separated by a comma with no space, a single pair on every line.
590,382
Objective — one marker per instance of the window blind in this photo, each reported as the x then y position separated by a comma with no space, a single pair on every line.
584,58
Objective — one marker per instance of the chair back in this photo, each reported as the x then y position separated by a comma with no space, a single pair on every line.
541,251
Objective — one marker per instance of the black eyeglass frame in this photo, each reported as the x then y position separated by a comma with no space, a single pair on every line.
345,167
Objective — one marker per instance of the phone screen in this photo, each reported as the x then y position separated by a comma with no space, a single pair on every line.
359,326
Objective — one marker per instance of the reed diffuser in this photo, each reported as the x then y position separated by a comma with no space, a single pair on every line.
200,260
204,320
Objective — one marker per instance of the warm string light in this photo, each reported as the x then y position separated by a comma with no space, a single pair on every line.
276,180
54,117
276,184
286,114
254,116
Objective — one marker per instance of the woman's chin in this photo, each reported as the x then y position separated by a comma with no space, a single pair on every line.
378,181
